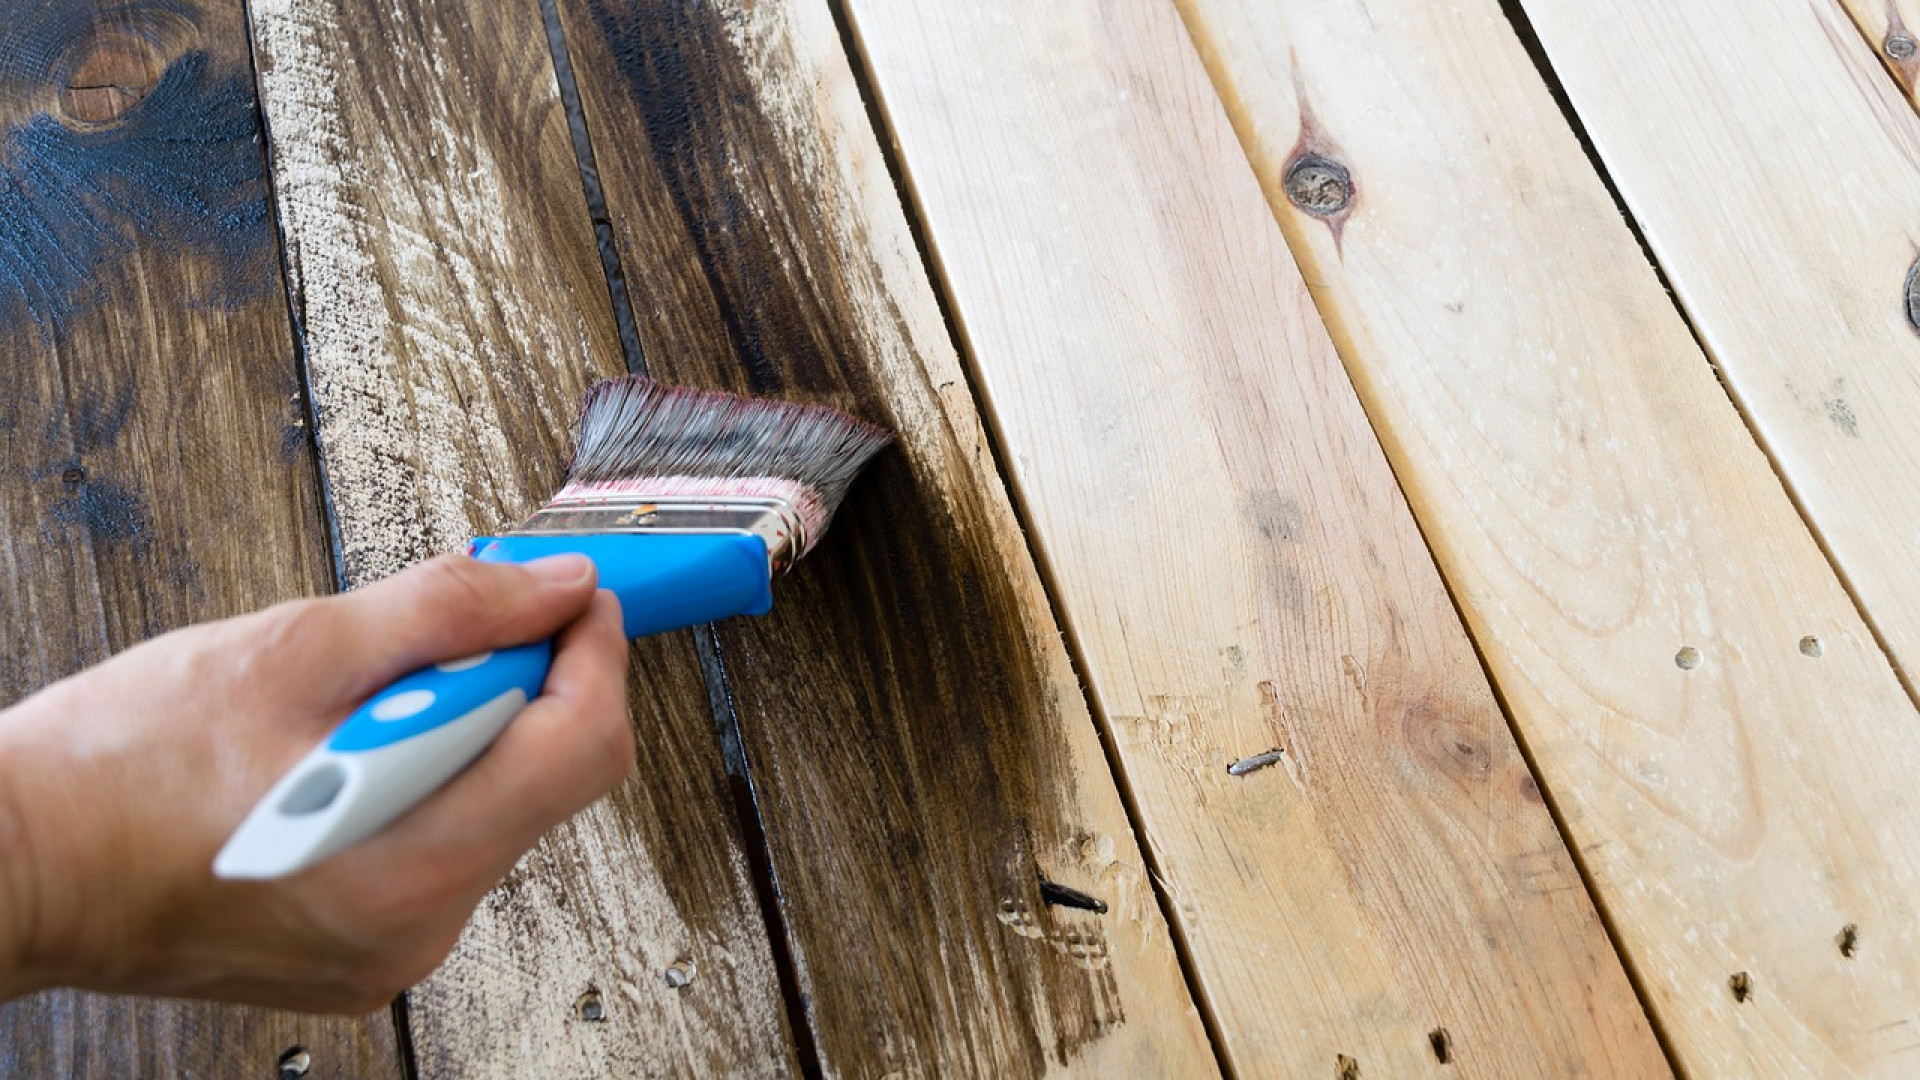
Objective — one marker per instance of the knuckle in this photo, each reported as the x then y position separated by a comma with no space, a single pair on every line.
287,631
462,585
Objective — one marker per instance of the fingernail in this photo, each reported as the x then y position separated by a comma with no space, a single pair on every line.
562,569
611,601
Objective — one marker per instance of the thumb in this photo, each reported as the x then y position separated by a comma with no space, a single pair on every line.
454,606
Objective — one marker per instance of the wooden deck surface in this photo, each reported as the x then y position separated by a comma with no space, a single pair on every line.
1398,561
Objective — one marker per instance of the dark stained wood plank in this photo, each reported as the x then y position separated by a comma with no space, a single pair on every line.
153,467
1318,758
455,309
921,752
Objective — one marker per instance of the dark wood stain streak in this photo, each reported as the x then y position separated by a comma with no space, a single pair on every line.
898,729
147,364
560,974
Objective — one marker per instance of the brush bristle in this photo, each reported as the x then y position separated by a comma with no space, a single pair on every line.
641,438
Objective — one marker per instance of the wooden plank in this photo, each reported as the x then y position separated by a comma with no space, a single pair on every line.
455,309
1600,510
1242,576
153,471
1890,27
1780,209
921,753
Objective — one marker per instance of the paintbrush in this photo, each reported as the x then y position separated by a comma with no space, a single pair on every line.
687,501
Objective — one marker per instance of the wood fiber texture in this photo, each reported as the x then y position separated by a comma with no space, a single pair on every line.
154,467
446,275
1357,854
1724,740
922,757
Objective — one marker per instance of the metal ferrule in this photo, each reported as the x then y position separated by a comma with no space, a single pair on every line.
772,520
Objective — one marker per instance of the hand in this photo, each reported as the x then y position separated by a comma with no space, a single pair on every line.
117,786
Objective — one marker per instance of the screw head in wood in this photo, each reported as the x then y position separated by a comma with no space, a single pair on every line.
1319,185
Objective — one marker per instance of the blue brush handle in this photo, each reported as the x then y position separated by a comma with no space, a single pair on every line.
409,739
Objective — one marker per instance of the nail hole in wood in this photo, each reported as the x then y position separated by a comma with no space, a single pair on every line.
590,1008
1319,185
1742,986
1345,1068
1810,646
74,477
1258,761
1900,47
1054,894
679,974
1687,658
1849,940
294,1063
1442,1045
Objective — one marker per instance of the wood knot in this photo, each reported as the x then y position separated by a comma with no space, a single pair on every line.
1912,296
115,71
1318,184
1899,46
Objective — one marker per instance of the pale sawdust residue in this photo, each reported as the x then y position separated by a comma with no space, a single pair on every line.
403,257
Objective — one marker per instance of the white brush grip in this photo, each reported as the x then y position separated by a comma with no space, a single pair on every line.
332,800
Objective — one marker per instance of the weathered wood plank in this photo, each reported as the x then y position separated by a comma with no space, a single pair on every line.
454,310
1358,856
153,471
922,755
1597,503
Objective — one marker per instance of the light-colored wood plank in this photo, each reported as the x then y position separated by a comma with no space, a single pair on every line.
1779,195
1598,507
153,470
1238,568
454,310
1889,27
921,753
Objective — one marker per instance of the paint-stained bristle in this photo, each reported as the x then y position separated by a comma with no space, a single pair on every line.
639,437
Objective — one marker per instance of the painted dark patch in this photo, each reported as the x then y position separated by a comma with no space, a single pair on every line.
99,417
181,166
901,739
736,223
108,511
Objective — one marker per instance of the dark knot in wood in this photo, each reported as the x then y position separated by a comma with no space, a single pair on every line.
1912,292
114,73
1319,185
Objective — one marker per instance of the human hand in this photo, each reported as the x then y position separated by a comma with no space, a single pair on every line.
118,785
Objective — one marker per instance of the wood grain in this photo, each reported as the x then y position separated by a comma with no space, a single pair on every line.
1889,27
447,278
153,467
1357,854
1595,500
921,753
